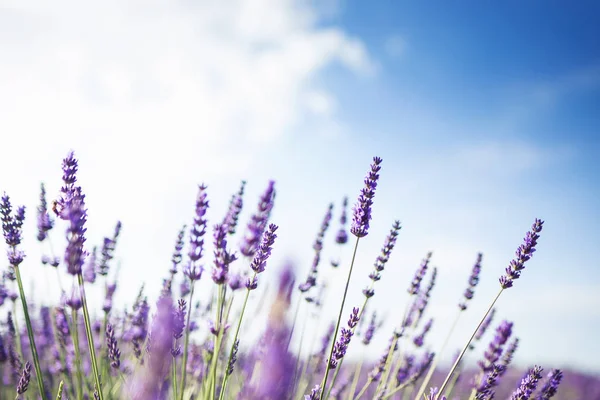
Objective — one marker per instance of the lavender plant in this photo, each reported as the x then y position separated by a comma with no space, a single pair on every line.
176,348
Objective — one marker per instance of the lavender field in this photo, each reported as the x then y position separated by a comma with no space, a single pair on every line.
174,346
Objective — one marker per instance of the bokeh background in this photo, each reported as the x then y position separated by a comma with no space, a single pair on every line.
486,116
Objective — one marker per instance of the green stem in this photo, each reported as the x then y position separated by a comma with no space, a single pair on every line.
174,376
212,381
90,337
452,384
18,332
462,353
396,389
60,391
36,361
364,388
186,342
75,338
436,358
237,332
337,326
355,379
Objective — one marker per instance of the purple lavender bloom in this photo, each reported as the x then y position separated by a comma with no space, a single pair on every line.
483,328
494,351
74,300
368,336
484,389
235,208
114,354
179,321
264,250
375,374
315,393
12,227
231,364
89,272
110,291
420,339
184,288
551,386
342,236
528,384
147,381
139,326
433,395
383,258
24,380
423,299
194,270
235,281
523,254
507,356
341,346
44,222
419,275
362,209
422,366
222,256
108,250
258,222
405,368
177,256
473,281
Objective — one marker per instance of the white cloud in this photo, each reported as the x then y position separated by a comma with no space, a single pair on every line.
155,97
395,46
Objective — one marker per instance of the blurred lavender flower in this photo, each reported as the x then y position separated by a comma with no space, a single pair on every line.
342,236
234,210
146,384
419,275
405,368
317,247
488,382
507,356
25,378
231,364
177,256
528,384
420,339
483,328
523,254
433,395
551,386
362,209
368,336
193,269
473,281
258,222
44,221
108,298
108,250
424,296
89,272
314,393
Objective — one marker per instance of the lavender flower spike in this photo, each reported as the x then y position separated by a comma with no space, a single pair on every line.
362,208
341,346
383,258
114,354
263,253
342,237
523,254
419,275
223,257
551,386
258,222
25,378
194,270
473,281
44,222
528,384
12,227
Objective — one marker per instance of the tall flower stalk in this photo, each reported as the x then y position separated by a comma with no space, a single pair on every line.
12,227
360,228
513,271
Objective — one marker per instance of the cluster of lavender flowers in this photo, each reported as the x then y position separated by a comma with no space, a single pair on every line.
177,347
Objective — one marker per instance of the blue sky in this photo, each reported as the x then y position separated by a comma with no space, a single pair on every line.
486,118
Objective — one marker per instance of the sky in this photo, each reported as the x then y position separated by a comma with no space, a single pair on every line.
485,117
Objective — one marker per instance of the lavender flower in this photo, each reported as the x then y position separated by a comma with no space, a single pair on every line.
311,280
419,339
362,209
235,208
12,227
194,270
179,321
528,384
24,380
341,346
89,273
222,256
261,256
507,356
494,351
423,300
383,258
314,393
44,221
114,354
233,357
483,328
110,291
368,336
523,254
177,256
258,222
473,281
405,368
484,389
419,275
342,236
108,250
551,386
